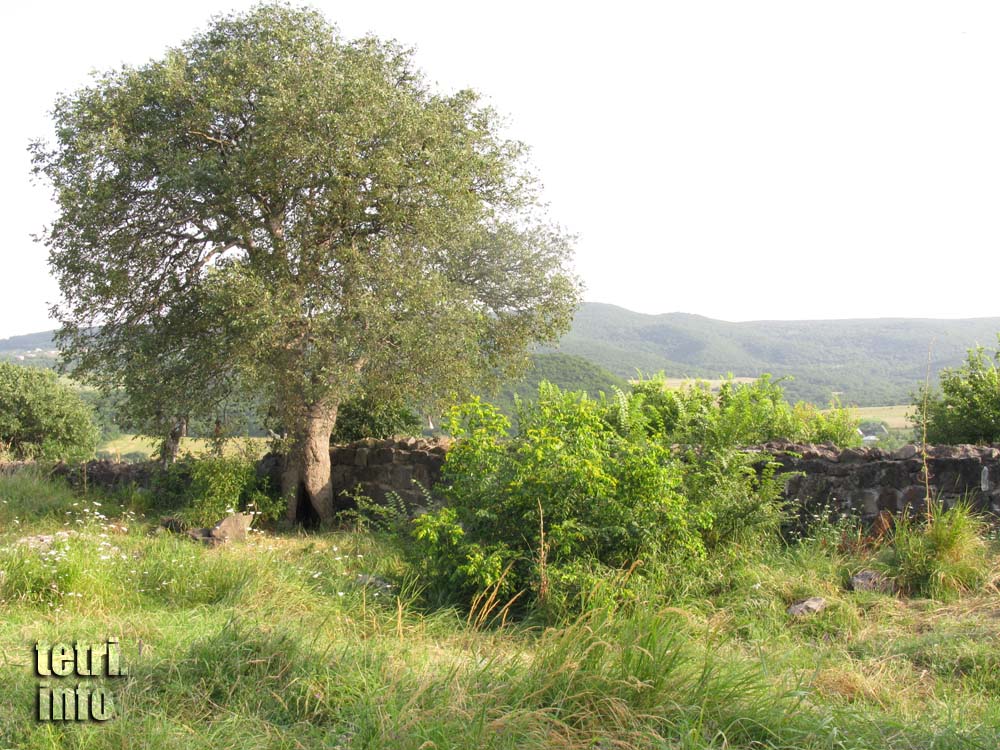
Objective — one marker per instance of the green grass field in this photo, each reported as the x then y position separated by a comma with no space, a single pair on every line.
277,643
126,444
895,417
713,383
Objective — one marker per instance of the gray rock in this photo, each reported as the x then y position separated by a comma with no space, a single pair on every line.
907,451
872,580
232,528
375,582
809,606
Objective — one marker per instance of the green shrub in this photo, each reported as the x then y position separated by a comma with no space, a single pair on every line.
584,495
564,488
940,556
42,418
740,414
204,490
967,408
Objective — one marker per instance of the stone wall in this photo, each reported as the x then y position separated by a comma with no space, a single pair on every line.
858,481
378,467
865,481
100,473
373,468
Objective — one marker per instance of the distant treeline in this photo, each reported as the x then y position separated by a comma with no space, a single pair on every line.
863,362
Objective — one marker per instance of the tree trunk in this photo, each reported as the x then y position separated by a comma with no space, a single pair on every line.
172,442
305,480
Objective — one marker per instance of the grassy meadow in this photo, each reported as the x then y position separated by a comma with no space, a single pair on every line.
277,642
897,417
136,445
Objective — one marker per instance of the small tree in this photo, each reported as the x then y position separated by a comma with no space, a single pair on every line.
967,407
271,205
43,418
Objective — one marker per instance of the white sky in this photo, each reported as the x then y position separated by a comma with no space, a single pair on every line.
740,160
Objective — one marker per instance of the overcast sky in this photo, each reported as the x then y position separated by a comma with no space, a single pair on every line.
741,160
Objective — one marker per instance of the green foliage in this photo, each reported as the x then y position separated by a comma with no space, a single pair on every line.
360,417
940,556
740,414
565,487
206,489
272,209
584,489
42,418
967,407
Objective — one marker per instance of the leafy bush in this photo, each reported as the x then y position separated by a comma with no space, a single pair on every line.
42,418
740,414
206,489
360,418
566,487
967,408
941,556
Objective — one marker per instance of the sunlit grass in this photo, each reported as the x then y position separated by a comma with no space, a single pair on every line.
277,643
137,444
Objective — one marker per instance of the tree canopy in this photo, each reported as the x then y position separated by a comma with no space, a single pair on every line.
274,207
41,417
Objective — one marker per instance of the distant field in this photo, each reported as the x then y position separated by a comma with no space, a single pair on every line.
137,444
714,384
895,417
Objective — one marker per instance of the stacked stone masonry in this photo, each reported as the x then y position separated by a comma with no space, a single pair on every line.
823,480
865,481
409,467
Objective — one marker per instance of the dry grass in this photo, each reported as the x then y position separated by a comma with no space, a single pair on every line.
896,417
126,444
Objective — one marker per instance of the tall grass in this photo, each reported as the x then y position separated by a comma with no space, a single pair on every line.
29,494
277,643
940,556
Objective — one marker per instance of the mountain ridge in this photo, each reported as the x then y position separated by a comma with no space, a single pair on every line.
863,361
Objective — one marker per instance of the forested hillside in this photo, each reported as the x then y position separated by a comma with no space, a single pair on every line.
868,362
571,373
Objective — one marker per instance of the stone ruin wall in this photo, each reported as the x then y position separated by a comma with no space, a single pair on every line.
374,468
863,482
378,467
857,481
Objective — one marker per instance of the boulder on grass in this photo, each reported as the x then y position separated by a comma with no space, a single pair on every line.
809,606
233,528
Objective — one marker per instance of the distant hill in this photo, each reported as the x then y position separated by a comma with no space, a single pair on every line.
35,349
28,342
869,362
569,372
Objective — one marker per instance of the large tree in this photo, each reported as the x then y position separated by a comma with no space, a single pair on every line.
273,205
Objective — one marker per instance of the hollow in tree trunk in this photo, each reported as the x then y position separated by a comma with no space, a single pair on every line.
305,480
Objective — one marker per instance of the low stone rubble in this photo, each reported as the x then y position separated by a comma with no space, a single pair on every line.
233,528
